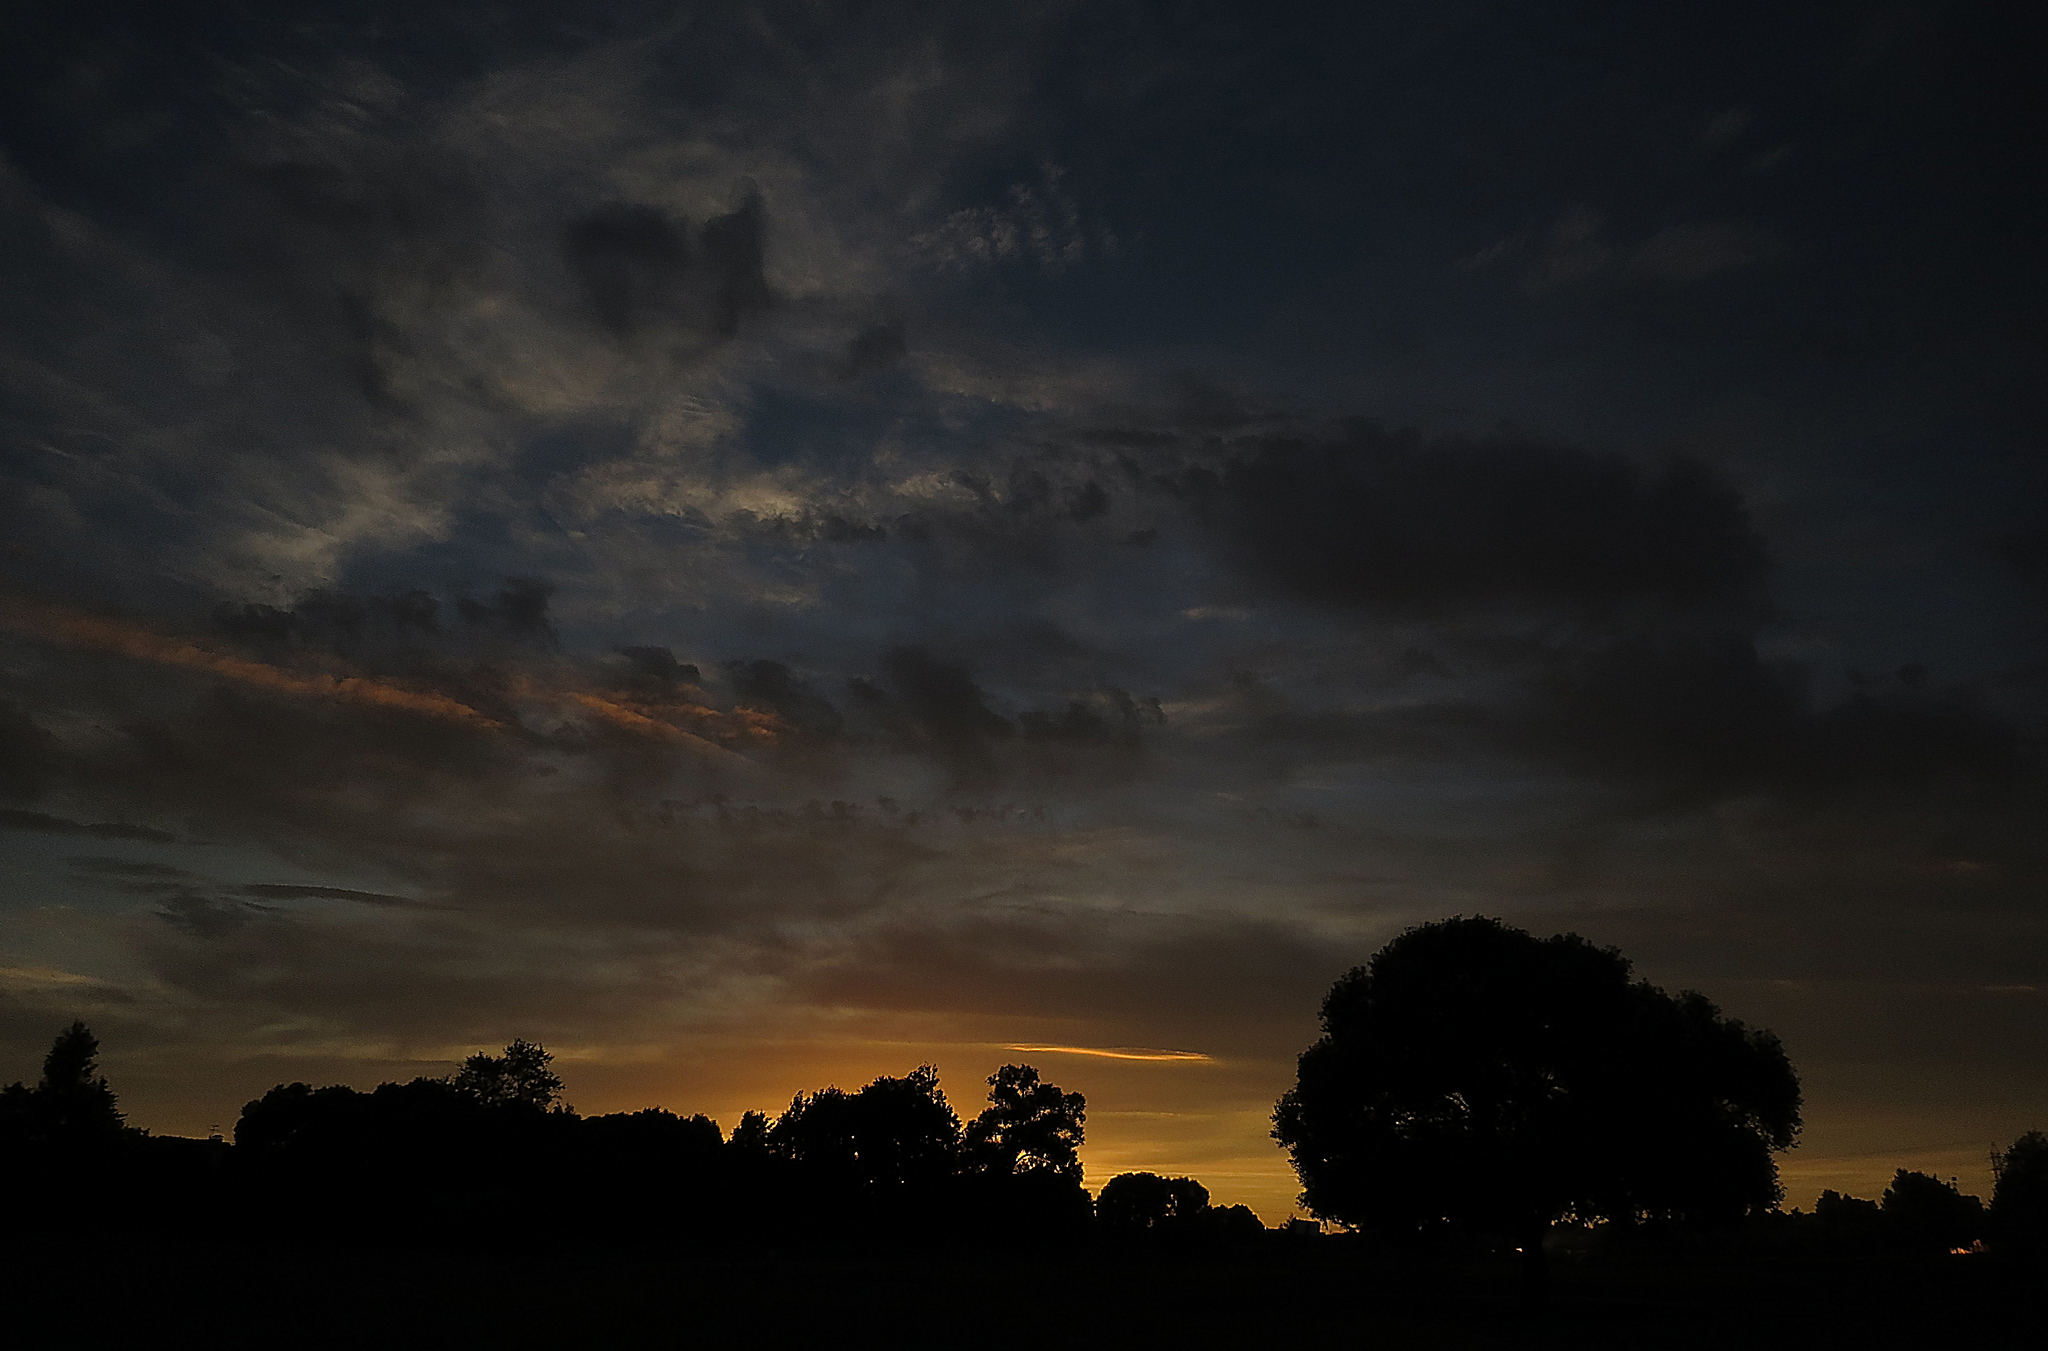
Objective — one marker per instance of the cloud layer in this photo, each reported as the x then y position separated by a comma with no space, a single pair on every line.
779,543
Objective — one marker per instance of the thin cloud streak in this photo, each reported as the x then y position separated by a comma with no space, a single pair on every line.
1112,1052
76,629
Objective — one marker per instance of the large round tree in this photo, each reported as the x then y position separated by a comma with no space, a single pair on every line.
1477,1078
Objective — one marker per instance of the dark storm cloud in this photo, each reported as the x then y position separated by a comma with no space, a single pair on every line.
942,701
773,686
631,261
639,269
875,349
1581,608
520,611
1401,522
335,621
1703,714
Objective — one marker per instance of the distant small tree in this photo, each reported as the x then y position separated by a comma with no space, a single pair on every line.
1925,1214
1029,1126
751,1135
893,1133
655,1129
1849,1222
518,1078
1234,1225
2019,1197
1133,1202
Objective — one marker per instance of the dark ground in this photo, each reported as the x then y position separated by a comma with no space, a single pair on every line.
92,1295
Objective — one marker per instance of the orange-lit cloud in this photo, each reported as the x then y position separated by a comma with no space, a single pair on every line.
683,722
92,633
1112,1052
745,726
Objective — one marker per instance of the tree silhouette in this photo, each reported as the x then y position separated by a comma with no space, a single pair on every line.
1925,1214
72,1104
892,1134
751,1135
74,1099
1133,1202
1474,1077
518,1078
1850,1222
1029,1126
2019,1196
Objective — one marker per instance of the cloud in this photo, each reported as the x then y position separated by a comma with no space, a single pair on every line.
943,703
640,270
1038,223
205,917
639,493
285,892
1578,250
104,830
74,628
1687,253
119,867
1406,524
1701,712
27,754
1111,1052
1572,252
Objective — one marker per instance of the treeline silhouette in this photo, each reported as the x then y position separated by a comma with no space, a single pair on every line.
1476,1090
490,1157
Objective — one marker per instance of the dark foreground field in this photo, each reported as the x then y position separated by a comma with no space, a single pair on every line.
84,1298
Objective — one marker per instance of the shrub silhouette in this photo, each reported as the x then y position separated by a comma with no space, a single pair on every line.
1474,1077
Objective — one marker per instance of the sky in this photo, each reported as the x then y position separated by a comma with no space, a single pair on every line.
762,545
